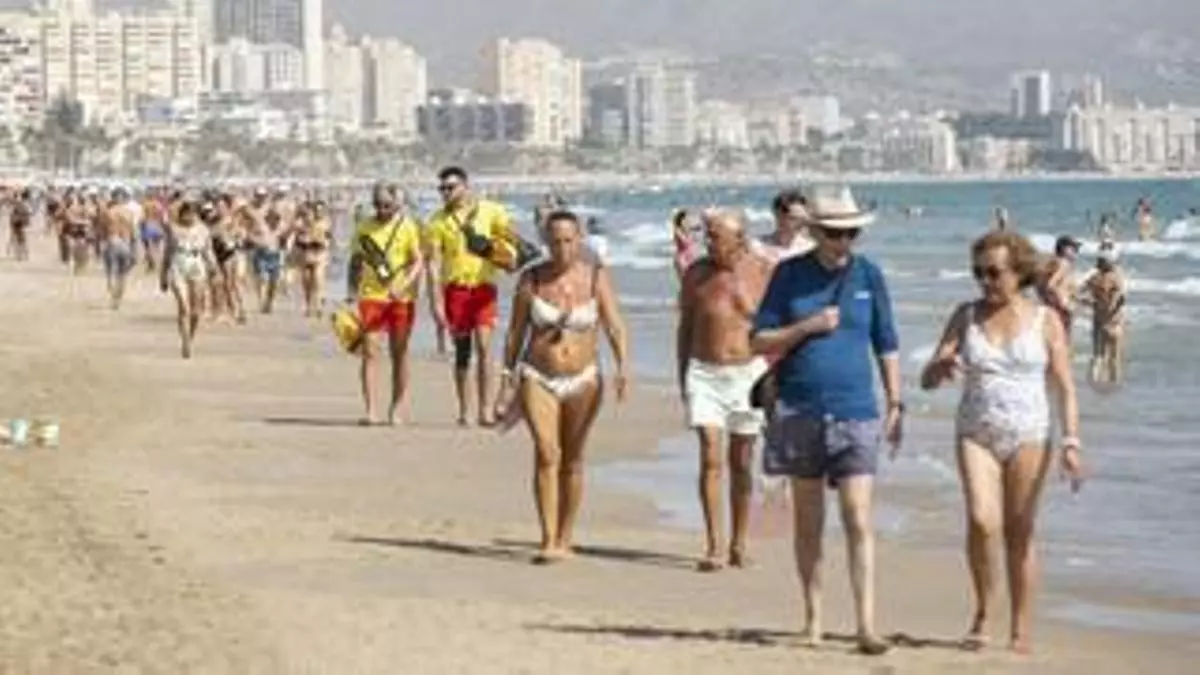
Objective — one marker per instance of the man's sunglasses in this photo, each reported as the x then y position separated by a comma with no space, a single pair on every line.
850,233
445,188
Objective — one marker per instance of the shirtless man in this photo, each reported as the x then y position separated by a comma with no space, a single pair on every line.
264,232
118,236
717,369
1105,290
1057,288
1106,232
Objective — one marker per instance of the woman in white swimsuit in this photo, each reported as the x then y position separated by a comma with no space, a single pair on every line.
560,306
1009,352
185,269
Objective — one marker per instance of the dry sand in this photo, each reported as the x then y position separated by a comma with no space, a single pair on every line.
225,515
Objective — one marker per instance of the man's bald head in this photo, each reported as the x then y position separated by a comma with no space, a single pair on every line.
725,234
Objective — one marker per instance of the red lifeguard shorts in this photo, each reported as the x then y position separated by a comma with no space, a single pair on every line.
469,308
386,316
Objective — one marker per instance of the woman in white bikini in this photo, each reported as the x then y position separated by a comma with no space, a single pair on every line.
189,256
560,306
1008,353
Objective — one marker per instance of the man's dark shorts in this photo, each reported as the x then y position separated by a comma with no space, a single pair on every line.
803,447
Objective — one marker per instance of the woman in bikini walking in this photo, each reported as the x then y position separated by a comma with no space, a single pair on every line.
551,369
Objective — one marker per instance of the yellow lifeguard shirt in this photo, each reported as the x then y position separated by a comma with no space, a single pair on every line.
400,238
447,241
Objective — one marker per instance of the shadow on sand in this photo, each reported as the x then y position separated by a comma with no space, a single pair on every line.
487,551
318,422
755,637
511,550
614,553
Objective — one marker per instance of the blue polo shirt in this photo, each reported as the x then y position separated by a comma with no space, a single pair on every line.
831,375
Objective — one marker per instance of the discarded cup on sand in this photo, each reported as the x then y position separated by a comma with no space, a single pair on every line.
18,432
45,433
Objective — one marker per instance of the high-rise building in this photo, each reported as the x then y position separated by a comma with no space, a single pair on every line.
21,99
823,113
395,84
538,74
344,80
662,105
1031,95
294,22
108,63
608,114
200,10
1142,138
1093,91
722,124
240,67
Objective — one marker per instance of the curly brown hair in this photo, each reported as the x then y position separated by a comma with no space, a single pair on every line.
1025,260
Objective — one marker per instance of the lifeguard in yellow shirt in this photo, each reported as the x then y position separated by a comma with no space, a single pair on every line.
459,235
384,275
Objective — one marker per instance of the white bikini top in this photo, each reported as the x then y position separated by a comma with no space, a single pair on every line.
544,314
192,240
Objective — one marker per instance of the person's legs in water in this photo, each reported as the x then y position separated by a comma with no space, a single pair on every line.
980,472
542,417
576,414
1024,476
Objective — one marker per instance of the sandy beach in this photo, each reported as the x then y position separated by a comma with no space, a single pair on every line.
225,515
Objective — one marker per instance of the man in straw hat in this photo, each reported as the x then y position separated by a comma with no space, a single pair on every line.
383,276
828,311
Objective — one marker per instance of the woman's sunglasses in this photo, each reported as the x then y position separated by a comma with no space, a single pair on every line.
991,273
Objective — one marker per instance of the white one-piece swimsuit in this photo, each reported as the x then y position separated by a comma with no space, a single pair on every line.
1004,402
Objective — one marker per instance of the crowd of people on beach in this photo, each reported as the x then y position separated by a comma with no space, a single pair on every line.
780,337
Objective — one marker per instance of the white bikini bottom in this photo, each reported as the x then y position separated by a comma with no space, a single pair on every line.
562,386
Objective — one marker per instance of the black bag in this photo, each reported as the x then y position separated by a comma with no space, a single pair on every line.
377,256
767,384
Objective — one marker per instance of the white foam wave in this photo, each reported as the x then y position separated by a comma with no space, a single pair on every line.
1184,228
759,215
1151,249
953,275
1188,286
646,234
635,261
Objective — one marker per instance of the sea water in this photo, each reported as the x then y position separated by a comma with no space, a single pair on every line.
1133,523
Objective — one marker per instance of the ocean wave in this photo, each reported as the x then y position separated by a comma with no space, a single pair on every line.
646,234
1184,228
953,275
636,261
1188,286
1151,249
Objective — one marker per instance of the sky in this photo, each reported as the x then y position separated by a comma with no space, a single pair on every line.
1057,34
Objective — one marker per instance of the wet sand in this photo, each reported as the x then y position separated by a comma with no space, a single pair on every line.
226,514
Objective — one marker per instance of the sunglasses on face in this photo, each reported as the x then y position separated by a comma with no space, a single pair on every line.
990,273
849,234
446,188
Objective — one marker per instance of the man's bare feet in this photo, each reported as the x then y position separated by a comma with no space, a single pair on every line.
1020,645
811,636
869,645
710,563
463,421
738,559
550,556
